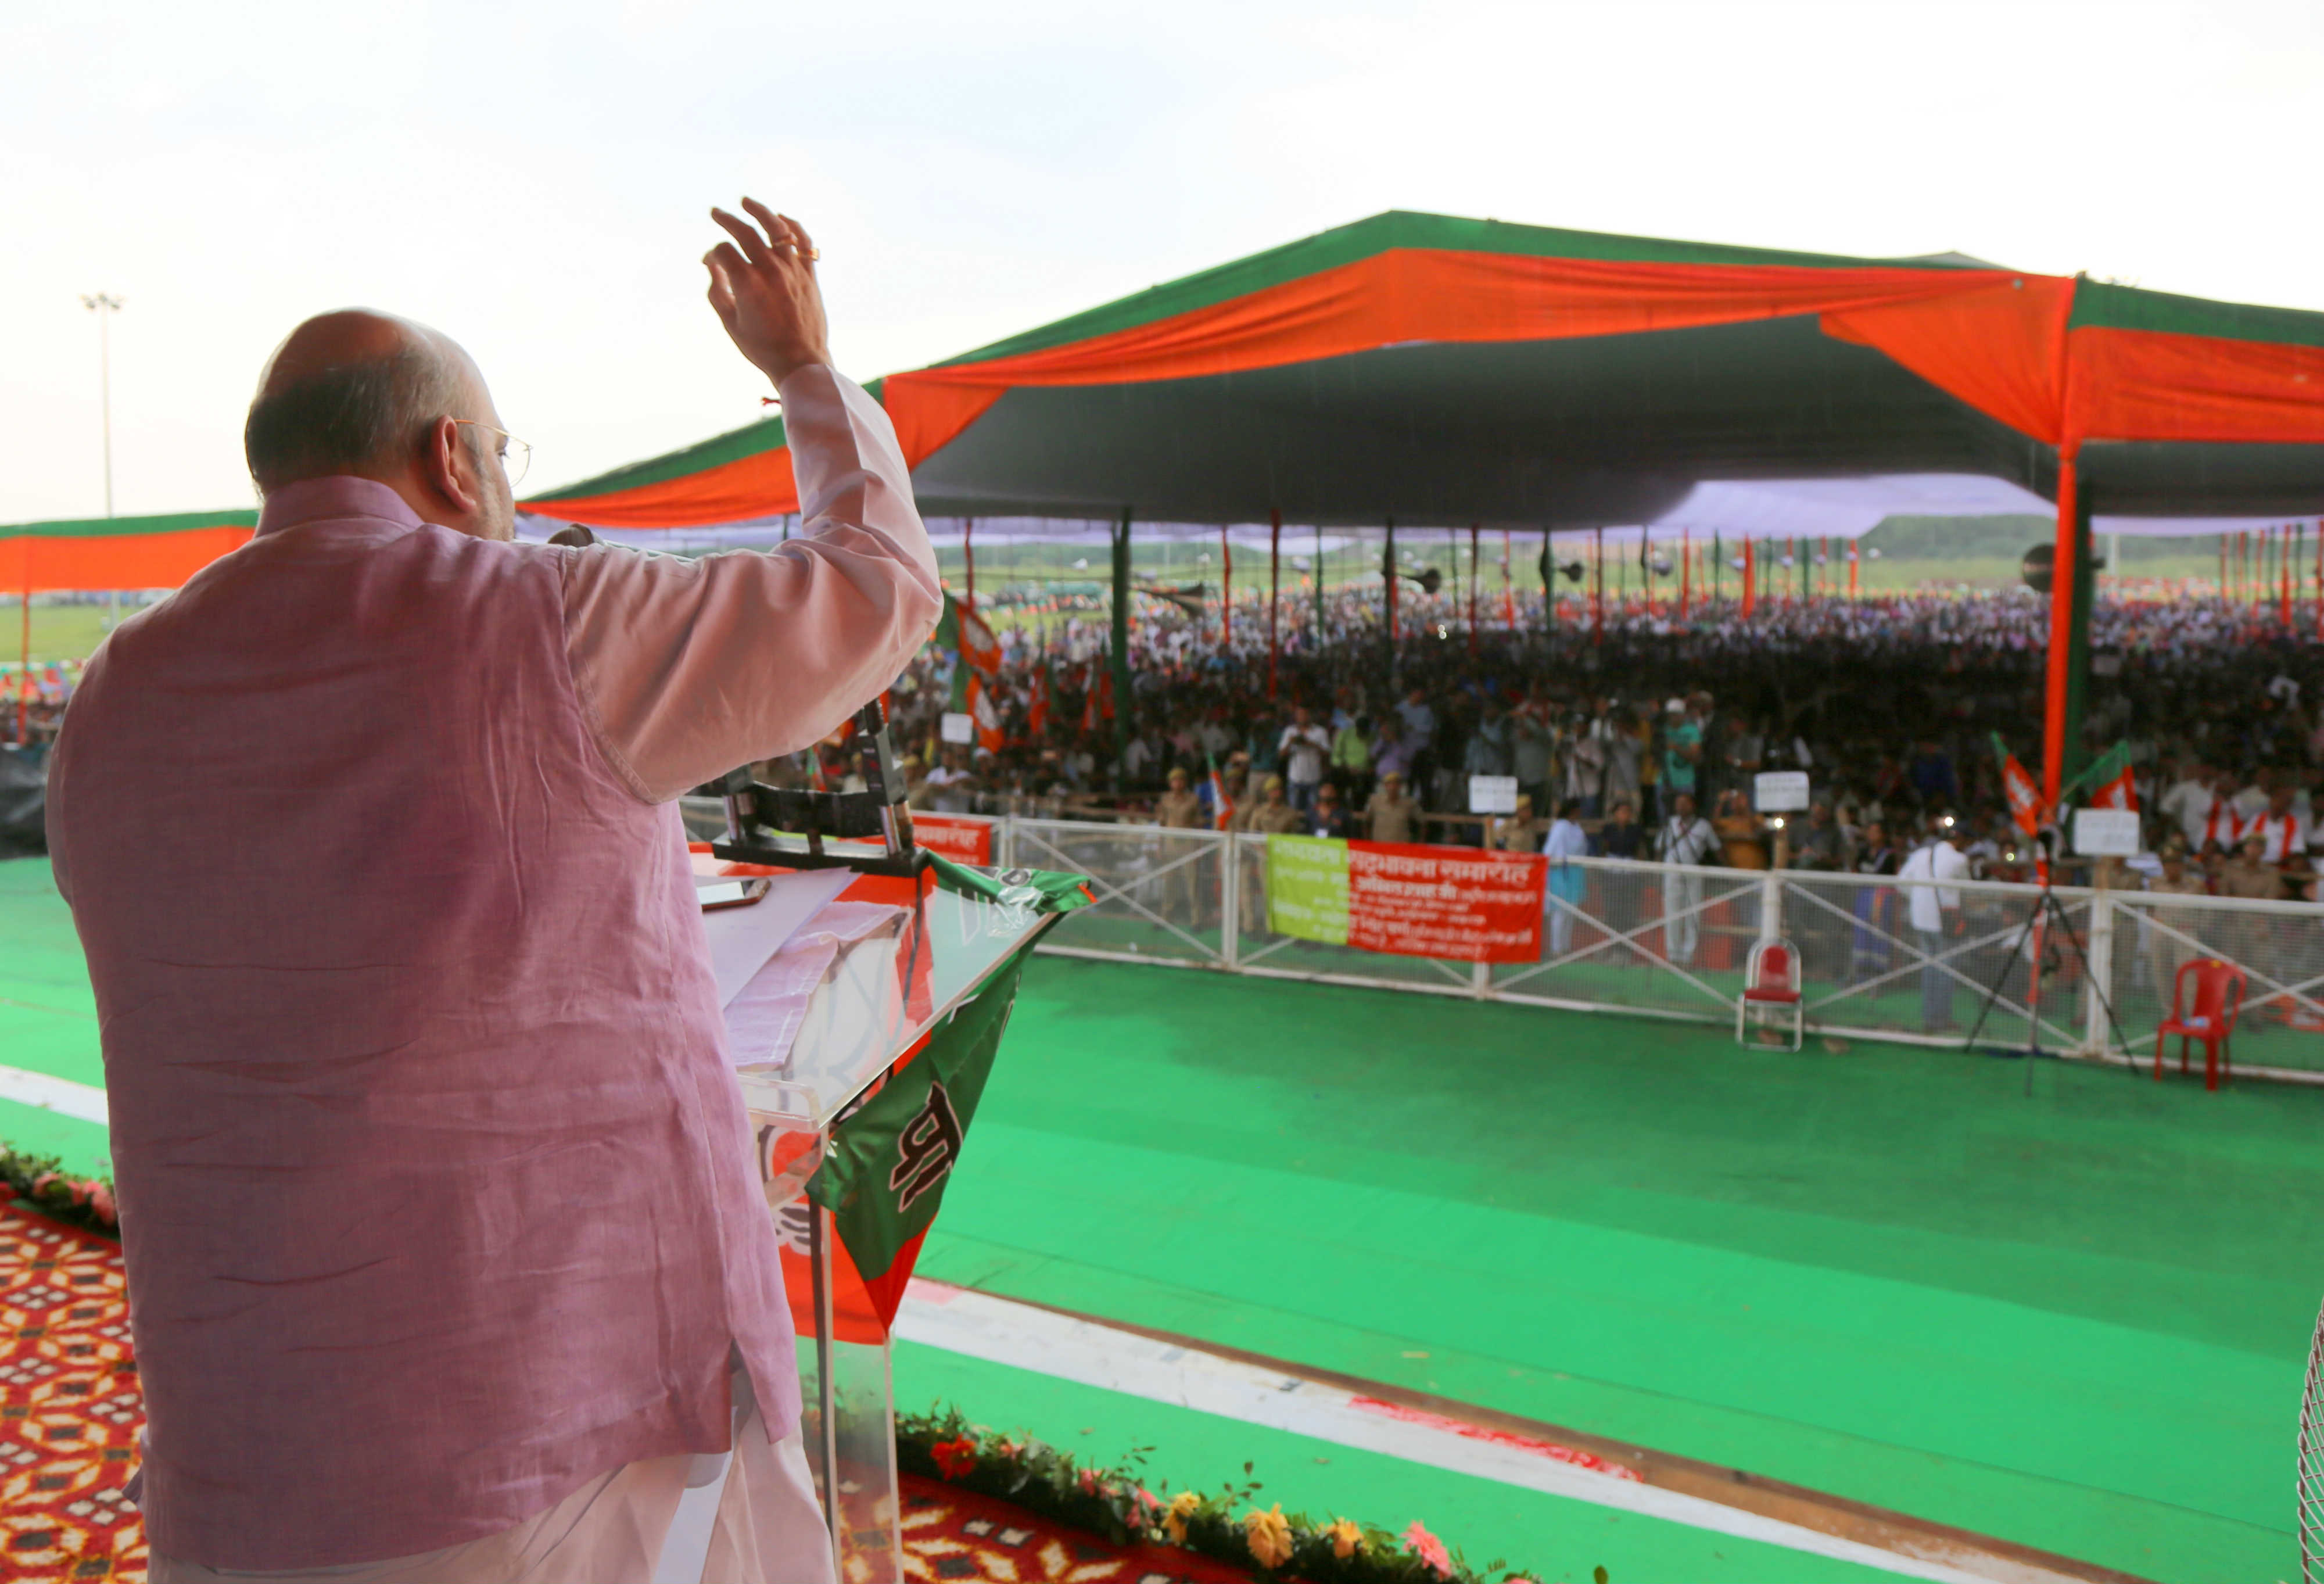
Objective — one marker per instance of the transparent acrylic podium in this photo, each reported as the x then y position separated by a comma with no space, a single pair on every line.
881,997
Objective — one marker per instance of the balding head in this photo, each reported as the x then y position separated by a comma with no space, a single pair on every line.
370,395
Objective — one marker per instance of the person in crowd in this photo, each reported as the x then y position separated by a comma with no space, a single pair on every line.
2171,939
1391,753
1329,817
403,1087
2282,828
1682,756
1743,756
1647,731
1587,755
1514,832
1933,906
952,785
1350,769
1306,746
1531,751
1624,754
1392,813
1569,884
1621,836
1816,844
1273,815
1742,835
1932,774
1685,838
1874,906
2247,873
1419,719
1233,780
1487,751
1179,809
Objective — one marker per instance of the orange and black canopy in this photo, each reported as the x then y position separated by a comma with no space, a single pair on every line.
1448,371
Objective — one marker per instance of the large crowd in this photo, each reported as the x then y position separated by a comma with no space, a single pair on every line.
1641,732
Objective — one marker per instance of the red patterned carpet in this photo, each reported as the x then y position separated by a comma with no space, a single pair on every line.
69,1410
69,1413
951,1533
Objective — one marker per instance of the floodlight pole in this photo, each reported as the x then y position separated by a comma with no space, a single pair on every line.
104,305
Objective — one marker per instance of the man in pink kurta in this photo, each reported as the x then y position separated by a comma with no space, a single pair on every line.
447,1249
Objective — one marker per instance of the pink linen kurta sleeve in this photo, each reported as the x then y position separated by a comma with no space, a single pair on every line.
689,669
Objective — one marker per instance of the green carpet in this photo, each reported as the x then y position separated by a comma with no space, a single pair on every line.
2076,1321
48,1014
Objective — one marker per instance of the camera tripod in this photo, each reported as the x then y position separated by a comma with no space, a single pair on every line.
2046,909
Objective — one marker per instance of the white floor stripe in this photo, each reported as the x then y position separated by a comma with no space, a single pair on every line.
981,1326
61,1095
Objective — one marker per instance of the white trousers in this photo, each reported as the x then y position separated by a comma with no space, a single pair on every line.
749,1516
1682,920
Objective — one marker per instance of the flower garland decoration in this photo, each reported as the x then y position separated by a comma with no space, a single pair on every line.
41,1181
1116,1503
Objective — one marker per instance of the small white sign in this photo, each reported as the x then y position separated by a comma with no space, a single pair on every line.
957,728
1779,791
2106,832
1493,795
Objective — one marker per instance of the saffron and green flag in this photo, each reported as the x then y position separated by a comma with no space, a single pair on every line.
2024,797
884,1174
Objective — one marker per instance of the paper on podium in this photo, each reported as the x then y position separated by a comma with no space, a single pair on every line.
792,997
742,939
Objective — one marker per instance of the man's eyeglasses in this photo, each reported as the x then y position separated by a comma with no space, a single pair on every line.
514,454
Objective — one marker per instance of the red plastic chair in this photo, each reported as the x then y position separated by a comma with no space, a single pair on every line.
1771,983
2219,1001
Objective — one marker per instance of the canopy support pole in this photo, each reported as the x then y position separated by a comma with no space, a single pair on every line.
1388,573
1318,644
1598,585
1855,567
1226,591
1474,528
1274,591
1750,566
1685,573
2069,611
968,561
1509,588
1120,657
2283,576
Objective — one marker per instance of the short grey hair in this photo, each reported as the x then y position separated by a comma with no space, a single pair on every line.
350,417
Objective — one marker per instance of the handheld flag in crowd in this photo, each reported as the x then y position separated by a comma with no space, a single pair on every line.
2024,797
2110,781
1221,805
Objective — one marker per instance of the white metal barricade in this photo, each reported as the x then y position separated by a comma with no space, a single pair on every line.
1668,941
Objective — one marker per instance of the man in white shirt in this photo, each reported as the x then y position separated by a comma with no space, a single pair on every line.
1686,837
1304,747
1932,908
2281,825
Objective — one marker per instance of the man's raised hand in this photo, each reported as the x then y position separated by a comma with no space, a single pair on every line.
763,291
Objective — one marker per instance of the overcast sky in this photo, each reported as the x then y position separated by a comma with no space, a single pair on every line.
532,179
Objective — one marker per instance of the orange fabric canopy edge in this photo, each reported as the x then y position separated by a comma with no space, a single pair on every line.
38,564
